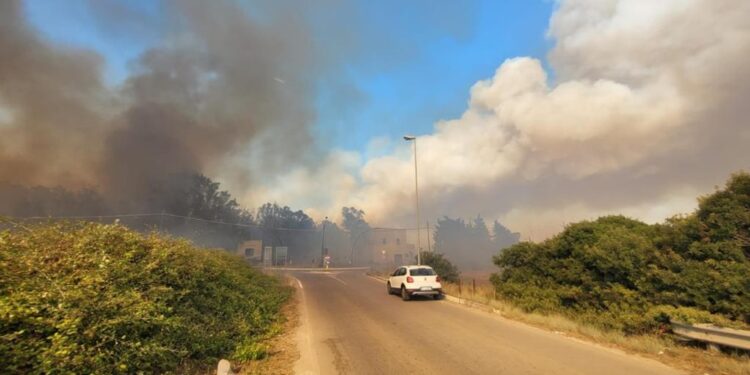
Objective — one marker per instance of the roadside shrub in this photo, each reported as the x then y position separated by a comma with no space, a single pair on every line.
91,298
622,274
442,266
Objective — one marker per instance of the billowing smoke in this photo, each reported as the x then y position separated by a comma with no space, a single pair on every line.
49,100
640,106
215,86
646,109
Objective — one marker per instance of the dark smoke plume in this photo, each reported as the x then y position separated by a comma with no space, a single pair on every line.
216,83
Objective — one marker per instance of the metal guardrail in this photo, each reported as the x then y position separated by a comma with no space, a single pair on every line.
713,335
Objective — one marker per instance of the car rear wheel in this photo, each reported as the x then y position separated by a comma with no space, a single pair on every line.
404,294
437,296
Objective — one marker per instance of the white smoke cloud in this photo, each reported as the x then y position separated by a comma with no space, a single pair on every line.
646,103
327,185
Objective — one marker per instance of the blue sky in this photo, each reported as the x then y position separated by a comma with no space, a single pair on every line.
419,70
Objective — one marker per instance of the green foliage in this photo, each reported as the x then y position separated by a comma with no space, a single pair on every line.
665,314
250,350
354,220
271,215
198,196
90,298
622,274
442,266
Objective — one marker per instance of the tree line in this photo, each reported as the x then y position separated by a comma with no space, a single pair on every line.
195,207
470,244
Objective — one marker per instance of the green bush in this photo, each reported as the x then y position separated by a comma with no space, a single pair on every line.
442,266
626,275
666,314
91,298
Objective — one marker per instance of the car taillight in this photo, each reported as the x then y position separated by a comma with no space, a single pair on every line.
437,279
409,279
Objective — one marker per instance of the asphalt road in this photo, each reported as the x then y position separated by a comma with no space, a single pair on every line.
349,325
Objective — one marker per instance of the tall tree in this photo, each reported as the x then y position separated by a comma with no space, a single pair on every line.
353,220
271,215
197,196
282,226
466,244
449,236
502,237
479,232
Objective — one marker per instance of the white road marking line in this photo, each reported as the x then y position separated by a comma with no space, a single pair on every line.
323,273
299,283
377,278
337,279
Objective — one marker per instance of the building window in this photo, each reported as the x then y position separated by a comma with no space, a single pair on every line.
398,241
384,241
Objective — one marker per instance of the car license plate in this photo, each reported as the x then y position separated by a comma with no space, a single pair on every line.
426,288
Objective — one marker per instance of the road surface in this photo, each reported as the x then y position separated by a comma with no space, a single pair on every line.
349,325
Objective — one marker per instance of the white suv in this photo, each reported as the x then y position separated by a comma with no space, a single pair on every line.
415,281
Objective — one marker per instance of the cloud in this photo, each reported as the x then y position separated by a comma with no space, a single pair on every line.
331,182
646,102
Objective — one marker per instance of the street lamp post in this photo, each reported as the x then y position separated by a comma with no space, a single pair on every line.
416,196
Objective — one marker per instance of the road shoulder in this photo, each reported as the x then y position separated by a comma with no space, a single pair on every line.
306,362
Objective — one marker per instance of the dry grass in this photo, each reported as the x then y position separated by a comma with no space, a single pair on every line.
693,359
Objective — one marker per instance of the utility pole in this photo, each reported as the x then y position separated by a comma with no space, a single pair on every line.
323,243
429,249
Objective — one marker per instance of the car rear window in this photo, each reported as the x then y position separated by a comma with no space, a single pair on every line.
422,272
